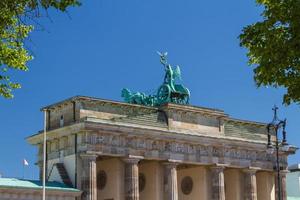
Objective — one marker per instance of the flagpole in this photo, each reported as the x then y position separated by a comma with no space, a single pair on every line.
44,156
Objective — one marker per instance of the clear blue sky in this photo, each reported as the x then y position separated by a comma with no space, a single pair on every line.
106,45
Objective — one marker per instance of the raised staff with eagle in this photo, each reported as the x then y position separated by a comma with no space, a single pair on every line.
169,91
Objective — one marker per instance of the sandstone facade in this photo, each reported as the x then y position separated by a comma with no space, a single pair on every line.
113,150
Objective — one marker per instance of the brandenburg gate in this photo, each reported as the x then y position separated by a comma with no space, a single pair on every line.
158,147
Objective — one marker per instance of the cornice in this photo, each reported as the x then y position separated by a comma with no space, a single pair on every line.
194,109
94,124
94,99
59,132
246,122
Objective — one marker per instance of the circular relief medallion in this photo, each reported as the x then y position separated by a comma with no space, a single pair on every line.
142,182
101,179
187,185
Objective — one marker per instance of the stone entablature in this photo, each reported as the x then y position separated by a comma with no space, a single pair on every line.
192,134
192,149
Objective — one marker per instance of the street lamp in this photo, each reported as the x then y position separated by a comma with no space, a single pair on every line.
276,125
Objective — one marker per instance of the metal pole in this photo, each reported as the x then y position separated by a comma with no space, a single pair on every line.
277,123
277,166
44,156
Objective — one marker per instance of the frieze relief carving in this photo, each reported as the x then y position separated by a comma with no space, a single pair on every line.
154,145
141,143
203,150
147,144
192,149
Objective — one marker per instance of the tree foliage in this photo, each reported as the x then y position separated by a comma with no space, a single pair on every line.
17,19
274,47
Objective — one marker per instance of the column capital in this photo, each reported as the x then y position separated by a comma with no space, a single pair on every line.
283,172
219,167
91,157
132,159
250,170
171,163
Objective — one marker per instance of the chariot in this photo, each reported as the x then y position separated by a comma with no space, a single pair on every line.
179,94
169,91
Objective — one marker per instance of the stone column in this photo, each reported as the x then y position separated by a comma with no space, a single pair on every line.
170,181
89,177
218,182
131,179
250,184
283,184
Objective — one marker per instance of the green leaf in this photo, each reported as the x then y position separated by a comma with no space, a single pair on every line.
273,46
14,31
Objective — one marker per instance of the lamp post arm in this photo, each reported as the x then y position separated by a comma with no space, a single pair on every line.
269,136
284,141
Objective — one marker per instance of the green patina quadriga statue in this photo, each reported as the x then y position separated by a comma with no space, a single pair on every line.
169,91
